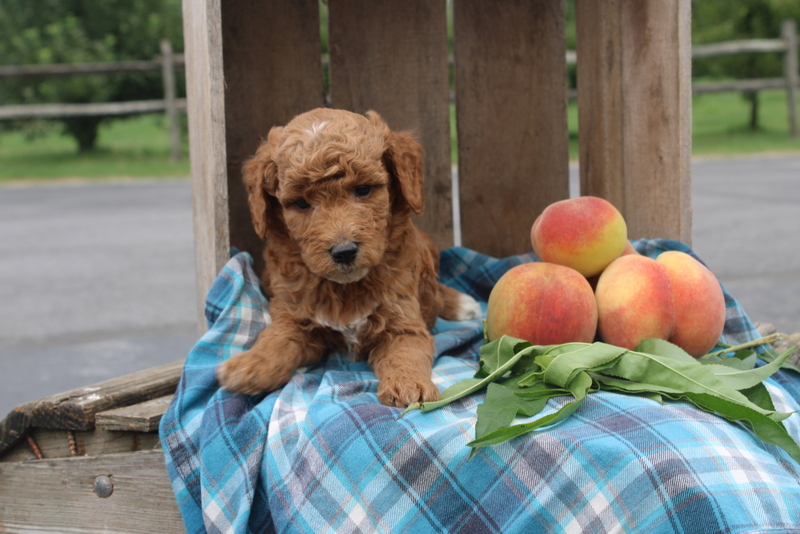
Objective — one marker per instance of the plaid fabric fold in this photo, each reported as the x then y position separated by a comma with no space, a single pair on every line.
322,455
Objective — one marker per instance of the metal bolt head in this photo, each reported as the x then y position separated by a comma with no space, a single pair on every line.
103,486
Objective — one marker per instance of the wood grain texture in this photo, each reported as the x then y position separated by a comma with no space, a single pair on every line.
76,409
634,109
250,65
511,101
205,95
56,443
391,57
273,71
141,417
58,495
790,65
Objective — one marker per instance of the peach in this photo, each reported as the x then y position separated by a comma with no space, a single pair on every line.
584,233
629,249
544,303
634,301
699,303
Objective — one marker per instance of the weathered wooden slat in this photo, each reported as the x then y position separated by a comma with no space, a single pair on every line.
142,417
249,66
738,47
634,109
757,84
205,88
511,102
14,426
391,57
51,111
67,443
76,409
790,65
59,496
273,71
77,69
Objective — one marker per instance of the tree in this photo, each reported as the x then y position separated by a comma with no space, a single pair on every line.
73,31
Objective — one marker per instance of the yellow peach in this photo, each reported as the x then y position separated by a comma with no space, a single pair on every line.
584,233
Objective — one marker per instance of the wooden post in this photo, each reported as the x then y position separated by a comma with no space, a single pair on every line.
205,93
391,57
789,34
250,65
634,109
511,107
170,98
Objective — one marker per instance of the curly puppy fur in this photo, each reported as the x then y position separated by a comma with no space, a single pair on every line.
332,194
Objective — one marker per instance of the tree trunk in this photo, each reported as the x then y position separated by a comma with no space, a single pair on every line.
84,130
752,98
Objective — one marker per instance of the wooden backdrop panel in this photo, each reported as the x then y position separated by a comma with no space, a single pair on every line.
511,105
391,57
250,65
273,71
634,109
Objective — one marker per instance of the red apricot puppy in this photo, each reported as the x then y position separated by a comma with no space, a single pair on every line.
544,303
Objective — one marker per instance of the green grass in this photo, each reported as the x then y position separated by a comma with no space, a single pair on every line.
720,125
139,147
136,147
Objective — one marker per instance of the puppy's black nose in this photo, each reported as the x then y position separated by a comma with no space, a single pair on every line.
344,254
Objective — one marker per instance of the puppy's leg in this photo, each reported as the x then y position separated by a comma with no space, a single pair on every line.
279,350
403,364
457,306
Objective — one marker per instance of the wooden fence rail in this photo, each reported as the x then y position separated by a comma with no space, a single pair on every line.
168,62
71,69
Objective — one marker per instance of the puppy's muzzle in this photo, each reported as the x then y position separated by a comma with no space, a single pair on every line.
344,254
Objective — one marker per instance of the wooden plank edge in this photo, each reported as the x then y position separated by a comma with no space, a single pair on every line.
15,426
141,417
76,409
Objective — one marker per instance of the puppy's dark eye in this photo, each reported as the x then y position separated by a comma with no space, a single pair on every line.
302,204
363,190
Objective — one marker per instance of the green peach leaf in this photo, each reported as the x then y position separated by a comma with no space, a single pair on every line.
593,357
500,408
580,388
743,379
661,347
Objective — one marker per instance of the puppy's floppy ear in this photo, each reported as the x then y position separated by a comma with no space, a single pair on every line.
403,160
260,174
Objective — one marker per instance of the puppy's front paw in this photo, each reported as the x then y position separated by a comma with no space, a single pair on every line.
400,391
468,308
251,373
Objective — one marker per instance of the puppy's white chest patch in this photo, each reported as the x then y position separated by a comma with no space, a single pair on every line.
351,331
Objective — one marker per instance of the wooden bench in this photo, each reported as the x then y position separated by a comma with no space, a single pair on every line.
90,459
251,65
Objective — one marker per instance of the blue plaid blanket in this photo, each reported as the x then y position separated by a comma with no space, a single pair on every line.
322,455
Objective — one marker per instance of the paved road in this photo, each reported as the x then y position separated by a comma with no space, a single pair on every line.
95,281
98,280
